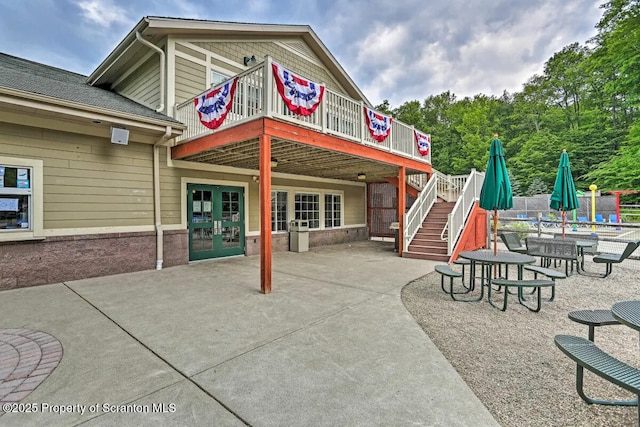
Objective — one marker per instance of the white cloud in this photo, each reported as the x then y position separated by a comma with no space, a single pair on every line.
102,12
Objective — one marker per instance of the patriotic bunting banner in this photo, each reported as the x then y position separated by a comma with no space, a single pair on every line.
423,141
379,125
301,96
214,105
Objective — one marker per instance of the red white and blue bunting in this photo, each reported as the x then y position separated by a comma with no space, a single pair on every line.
379,125
301,96
214,105
423,141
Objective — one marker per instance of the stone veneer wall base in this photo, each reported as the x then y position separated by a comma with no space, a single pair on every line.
64,258
316,238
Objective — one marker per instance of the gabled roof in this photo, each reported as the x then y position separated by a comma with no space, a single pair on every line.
32,78
156,28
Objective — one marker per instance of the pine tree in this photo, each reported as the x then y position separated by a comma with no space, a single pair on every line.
537,186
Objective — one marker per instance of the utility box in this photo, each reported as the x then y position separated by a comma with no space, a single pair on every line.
299,236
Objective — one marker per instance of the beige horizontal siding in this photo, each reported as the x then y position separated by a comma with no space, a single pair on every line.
143,85
354,205
191,79
88,182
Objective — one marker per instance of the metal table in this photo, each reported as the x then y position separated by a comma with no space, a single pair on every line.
486,258
628,313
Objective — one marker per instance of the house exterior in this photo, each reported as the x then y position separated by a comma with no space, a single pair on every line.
115,172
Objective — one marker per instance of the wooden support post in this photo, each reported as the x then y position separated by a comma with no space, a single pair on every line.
402,206
265,214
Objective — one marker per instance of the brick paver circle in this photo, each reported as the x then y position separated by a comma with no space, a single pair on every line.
27,357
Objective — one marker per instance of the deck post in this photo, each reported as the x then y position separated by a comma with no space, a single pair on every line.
265,214
402,206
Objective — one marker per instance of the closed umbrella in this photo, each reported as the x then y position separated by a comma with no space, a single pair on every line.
564,197
496,187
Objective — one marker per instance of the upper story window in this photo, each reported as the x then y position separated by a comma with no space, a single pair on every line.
217,78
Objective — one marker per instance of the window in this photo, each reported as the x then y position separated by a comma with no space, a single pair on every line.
307,208
217,78
278,211
15,197
332,210
20,198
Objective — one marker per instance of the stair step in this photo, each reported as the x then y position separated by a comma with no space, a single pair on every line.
437,243
429,232
427,249
432,257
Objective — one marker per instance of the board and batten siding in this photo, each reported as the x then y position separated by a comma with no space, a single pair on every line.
298,58
88,181
143,85
191,79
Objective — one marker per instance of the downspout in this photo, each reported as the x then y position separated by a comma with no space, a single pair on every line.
162,67
156,197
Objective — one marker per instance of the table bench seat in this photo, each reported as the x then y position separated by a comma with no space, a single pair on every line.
446,270
536,284
587,355
593,318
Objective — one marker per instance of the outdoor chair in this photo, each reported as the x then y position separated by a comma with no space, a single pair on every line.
609,259
512,242
599,218
613,218
583,219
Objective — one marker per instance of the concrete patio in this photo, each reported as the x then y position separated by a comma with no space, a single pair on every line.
200,345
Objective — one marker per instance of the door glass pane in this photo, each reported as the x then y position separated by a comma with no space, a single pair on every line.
231,237
202,206
230,206
202,239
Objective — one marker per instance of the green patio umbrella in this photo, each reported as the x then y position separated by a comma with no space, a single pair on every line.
564,197
496,188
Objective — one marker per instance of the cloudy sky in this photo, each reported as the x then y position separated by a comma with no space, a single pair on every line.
399,50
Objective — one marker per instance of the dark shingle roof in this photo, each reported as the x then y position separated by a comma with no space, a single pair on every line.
27,76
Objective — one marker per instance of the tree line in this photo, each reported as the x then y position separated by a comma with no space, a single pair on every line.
586,101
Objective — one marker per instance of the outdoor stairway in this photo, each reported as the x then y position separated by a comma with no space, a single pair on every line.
427,243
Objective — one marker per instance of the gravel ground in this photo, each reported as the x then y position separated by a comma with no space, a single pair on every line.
509,358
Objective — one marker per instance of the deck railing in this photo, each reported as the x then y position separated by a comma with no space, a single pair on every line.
458,216
450,186
257,96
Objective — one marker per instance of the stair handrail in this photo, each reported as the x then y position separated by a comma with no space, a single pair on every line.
444,230
458,216
414,217
450,186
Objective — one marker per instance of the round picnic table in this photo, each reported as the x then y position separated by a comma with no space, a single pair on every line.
486,258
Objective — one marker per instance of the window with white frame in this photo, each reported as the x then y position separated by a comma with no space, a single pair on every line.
307,208
332,210
217,78
15,197
279,211
20,198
